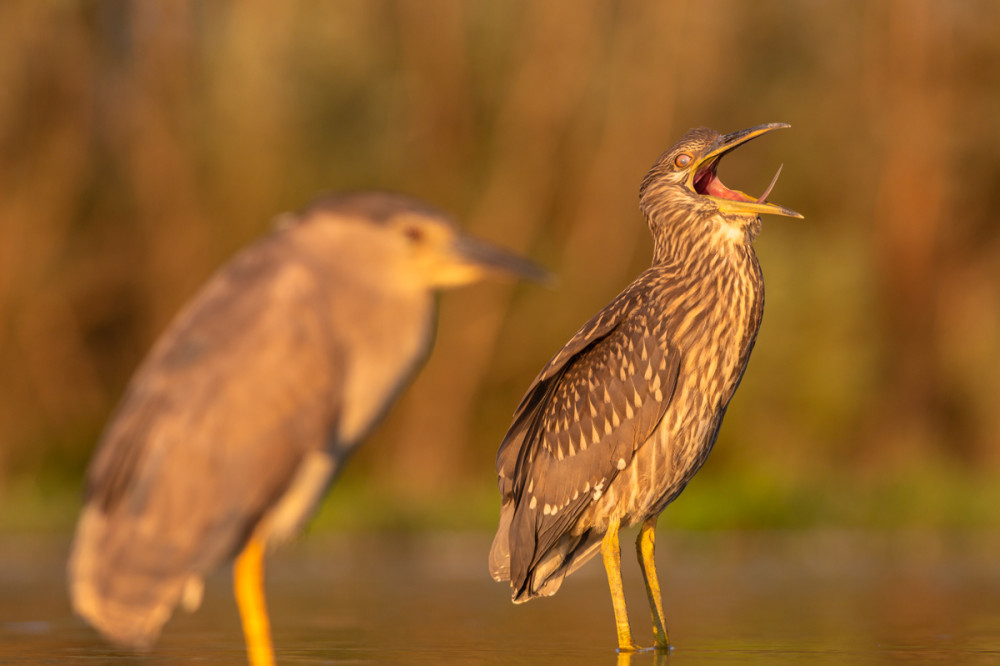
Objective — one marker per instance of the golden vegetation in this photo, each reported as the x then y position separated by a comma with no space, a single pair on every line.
142,143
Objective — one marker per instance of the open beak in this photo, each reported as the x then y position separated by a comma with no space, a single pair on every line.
704,181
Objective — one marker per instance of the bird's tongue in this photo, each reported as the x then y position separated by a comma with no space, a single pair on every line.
770,187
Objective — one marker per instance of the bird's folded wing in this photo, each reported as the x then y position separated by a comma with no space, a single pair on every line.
603,405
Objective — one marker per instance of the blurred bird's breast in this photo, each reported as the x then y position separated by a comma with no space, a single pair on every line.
389,340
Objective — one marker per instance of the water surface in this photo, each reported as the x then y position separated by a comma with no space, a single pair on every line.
819,598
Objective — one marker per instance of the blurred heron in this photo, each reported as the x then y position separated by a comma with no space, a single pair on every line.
251,401
621,418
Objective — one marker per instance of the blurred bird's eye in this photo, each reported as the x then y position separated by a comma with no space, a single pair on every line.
682,160
413,234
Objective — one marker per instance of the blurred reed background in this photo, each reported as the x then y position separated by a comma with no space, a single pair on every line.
142,143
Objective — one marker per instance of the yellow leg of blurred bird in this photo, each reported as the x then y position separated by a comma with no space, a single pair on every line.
612,554
248,580
644,546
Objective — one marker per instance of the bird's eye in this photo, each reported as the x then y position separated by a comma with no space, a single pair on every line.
413,234
682,160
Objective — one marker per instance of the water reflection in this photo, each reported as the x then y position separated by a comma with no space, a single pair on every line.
660,657
821,598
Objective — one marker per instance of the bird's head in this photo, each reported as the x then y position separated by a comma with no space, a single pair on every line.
403,243
685,179
442,256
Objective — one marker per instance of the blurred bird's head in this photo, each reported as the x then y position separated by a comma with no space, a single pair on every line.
404,243
683,186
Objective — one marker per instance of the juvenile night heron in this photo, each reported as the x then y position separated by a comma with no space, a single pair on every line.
253,398
623,416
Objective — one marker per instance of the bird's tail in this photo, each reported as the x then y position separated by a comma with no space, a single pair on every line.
545,576
500,551
127,599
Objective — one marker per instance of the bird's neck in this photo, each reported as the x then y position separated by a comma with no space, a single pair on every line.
711,286
694,240
710,258
385,324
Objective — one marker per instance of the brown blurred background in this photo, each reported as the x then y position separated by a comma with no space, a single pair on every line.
141,144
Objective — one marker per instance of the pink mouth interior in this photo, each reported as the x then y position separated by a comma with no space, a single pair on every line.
706,182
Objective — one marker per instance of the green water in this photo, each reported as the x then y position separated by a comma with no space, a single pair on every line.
816,597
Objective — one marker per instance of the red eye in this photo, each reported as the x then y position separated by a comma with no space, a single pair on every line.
682,160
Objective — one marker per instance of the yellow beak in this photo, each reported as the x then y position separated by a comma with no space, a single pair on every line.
702,178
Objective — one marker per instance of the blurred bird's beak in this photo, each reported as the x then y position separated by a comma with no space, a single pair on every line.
470,260
704,181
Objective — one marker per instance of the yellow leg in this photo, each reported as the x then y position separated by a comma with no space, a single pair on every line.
248,581
644,546
611,552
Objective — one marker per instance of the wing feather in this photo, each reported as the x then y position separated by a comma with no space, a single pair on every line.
581,423
528,411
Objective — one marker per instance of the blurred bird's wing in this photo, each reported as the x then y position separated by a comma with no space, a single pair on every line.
243,384
583,420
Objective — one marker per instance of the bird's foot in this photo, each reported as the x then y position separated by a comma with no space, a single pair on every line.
629,647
